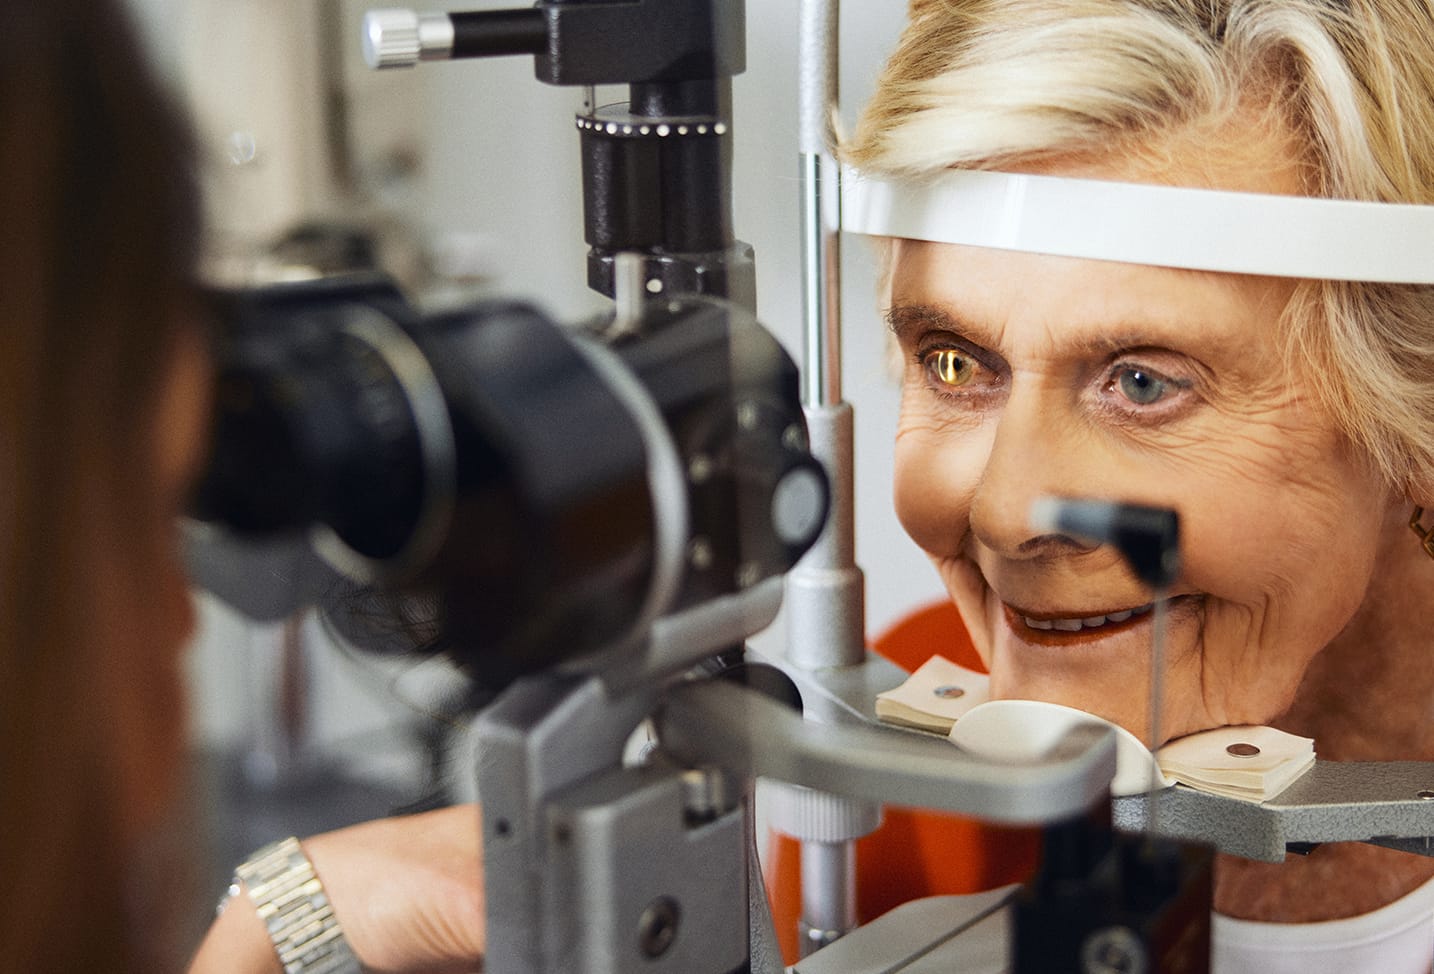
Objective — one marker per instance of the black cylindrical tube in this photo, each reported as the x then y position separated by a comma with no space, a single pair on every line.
490,33
697,194
622,186
671,99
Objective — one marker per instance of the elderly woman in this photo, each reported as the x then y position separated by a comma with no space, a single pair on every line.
1291,422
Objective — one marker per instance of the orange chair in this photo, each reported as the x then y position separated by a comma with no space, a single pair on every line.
915,853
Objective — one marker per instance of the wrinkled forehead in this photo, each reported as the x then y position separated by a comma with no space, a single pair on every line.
1035,307
1200,229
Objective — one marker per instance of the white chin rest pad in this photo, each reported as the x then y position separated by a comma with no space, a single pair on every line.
1025,730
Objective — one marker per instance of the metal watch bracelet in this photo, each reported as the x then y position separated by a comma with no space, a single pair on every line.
289,898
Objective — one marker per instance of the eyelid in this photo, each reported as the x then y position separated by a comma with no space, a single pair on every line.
1167,408
983,383
935,341
1125,361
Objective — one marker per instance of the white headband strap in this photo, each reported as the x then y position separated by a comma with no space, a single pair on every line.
1166,226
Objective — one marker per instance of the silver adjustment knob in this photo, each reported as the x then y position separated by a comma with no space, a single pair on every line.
401,38
390,38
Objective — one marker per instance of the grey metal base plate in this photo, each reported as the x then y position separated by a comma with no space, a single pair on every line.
936,935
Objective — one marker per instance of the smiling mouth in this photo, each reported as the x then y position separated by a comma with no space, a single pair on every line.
1051,630
1088,622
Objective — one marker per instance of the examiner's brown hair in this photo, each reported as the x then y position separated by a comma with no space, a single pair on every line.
97,235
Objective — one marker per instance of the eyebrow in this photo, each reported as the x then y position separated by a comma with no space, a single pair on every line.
908,321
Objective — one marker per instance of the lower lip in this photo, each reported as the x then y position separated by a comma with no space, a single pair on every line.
1083,636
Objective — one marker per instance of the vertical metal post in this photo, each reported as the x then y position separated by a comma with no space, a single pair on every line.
821,202
827,583
279,696
821,279
828,892
825,593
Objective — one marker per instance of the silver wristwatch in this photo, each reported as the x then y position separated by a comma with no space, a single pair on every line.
281,883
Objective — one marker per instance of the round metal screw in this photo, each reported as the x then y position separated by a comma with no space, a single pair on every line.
794,437
1113,950
749,574
704,794
700,553
949,692
1426,795
699,468
1242,750
657,927
242,147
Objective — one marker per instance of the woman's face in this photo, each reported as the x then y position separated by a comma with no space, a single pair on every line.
1028,375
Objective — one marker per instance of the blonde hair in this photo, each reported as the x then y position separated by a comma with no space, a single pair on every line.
995,83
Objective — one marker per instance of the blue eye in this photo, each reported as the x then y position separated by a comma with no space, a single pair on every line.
1139,386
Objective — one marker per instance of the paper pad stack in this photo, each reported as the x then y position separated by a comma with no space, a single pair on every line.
1250,763
1253,763
934,697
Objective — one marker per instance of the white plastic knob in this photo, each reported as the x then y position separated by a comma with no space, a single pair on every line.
815,816
390,38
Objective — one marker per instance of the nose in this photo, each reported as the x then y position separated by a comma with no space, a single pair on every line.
1037,450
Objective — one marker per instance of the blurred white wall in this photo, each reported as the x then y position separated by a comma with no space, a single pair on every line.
498,169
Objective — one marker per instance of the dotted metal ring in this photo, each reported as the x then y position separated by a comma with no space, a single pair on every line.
632,128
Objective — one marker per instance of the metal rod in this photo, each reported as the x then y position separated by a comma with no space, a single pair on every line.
1159,621
821,280
828,893
629,289
490,33
817,91
826,617
824,580
817,99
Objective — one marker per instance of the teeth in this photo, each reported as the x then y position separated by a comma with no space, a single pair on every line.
1091,622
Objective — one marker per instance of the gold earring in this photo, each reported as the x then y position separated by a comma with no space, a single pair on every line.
1426,535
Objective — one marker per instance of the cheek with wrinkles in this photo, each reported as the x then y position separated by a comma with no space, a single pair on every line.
969,594
923,412
1257,455
935,479
1272,486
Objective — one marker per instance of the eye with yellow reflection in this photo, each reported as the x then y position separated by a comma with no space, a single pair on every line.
950,367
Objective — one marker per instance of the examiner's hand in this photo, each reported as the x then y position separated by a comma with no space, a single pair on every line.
408,893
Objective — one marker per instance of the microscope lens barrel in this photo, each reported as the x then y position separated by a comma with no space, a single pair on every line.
551,490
